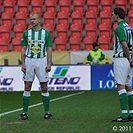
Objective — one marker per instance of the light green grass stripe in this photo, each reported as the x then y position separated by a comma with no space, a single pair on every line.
34,105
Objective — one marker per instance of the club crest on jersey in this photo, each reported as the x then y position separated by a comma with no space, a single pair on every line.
36,42
35,49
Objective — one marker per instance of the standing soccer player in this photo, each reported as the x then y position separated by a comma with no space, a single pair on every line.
123,42
36,60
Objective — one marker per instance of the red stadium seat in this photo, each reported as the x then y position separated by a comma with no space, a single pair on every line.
50,5
75,43
60,43
7,18
104,29
4,43
106,5
130,15
79,5
121,3
23,6
63,17
16,46
76,30
91,29
64,5
62,30
77,17
49,18
131,25
131,4
93,5
88,42
105,16
104,42
18,30
9,6
21,18
114,26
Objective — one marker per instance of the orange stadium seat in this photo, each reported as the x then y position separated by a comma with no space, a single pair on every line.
75,43
91,30
77,17
91,17
23,6
93,5
130,15
76,30
16,46
64,5
106,5
104,42
62,30
50,5
21,18
9,5
63,17
79,5
60,43
36,6
7,18
88,42
121,3
105,16
104,29
18,30
4,43
49,17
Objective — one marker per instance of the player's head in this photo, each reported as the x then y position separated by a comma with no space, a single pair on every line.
118,14
35,19
95,45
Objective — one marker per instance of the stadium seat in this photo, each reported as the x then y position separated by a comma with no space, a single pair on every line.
18,30
91,17
88,42
16,46
62,30
77,17
104,42
93,5
7,18
131,25
104,29
105,16
91,30
131,4
5,31
121,3
76,30
63,17
60,43
64,5
4,43
130,15
49,17
114,26
23,6
79,5
50,5
21,18
36,6
75,43
106,5
9,6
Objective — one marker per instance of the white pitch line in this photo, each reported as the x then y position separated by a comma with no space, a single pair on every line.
34,105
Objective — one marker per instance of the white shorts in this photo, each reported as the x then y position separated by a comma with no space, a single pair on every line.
36,67
122,71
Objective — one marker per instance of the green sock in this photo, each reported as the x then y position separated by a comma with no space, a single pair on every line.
26,101
123,103
130,104
46,102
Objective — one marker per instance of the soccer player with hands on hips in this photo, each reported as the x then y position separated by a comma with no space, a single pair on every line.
123,41
36,58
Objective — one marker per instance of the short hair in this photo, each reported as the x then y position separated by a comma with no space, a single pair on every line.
36,13
120,12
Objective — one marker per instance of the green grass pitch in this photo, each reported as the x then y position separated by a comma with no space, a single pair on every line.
87,112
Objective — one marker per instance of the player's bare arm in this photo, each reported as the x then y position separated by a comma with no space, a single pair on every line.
23,59
49,59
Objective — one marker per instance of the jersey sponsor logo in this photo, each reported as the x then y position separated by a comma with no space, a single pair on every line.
35,49
36,42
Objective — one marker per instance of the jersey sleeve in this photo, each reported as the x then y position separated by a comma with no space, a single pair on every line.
23,40
49,40
121,34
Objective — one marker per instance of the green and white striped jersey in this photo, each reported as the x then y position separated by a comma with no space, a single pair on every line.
36,42
123,33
